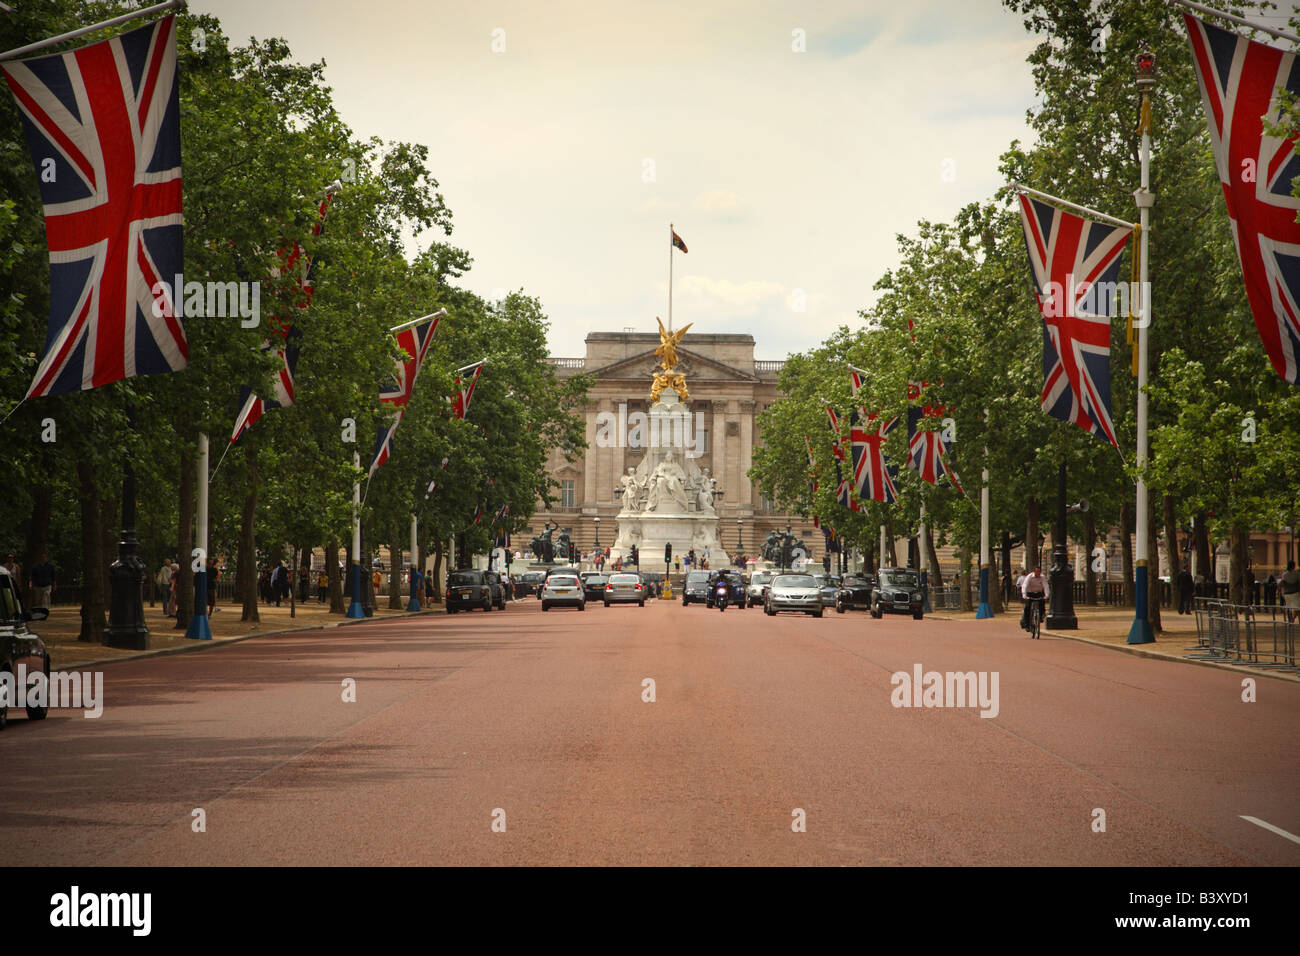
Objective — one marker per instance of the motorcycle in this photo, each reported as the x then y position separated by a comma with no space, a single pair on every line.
720,596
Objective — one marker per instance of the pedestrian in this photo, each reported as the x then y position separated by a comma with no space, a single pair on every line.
1250,585
42,582
280,584
1270,590
322,587
164,578
428,590
214,572
1291,592
173,587
15,572
417,582
304,584
1186,588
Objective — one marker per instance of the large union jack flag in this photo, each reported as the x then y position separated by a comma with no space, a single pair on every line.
397,393
103,126
1074,262
842,493
873,478
286,334
1238,80
926,450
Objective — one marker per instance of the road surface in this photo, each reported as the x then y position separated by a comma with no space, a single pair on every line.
519,737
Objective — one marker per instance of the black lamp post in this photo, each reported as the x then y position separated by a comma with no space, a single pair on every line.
739,546
597,520
1061,616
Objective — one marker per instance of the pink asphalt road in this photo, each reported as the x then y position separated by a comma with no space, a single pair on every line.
538,720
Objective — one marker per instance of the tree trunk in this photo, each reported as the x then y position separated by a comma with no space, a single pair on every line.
332,574
1171,540
246,580
890,550
293,585
1153,572
1090,542
38,531
1032,559
93,620
934,576
395,577
437,568
869,559
1203,563
1237,566
964,580
185,540
108,535
995,582
1126,550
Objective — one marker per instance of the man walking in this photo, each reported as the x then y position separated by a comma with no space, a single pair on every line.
1186,588
1291,591
43,582
165,585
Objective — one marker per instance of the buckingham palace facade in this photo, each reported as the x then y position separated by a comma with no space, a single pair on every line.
729,389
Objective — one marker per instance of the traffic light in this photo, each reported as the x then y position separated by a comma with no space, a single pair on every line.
668,553
636,558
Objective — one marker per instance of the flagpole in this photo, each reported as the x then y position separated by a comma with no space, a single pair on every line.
1140,632
670,277
415,322
82,31
1236,19
922,558
198,628
355,609
1086,210
984,610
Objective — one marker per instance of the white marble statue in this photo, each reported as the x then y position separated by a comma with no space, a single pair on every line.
632,490
704,494
667,487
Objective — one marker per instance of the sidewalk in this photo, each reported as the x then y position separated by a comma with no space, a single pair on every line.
1109,627
60,630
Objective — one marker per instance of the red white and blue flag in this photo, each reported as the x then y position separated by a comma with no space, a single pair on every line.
414,342
926,450
842,494
812,477
460,401
1068,256
1239,79
285,342
873,478
103,126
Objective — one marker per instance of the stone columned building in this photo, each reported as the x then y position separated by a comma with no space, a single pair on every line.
728,387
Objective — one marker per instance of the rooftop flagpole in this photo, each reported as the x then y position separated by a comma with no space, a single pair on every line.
670,277
82,31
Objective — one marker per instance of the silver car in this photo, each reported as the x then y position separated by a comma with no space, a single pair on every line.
563,590
625,588
793,592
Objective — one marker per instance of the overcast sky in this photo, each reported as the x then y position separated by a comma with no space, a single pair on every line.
564,157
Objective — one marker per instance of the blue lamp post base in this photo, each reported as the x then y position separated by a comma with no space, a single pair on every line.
198,629
984,612
355,609
414,603
1140,632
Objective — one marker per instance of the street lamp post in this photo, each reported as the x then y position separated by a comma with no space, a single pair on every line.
597,542
740,548
1061,617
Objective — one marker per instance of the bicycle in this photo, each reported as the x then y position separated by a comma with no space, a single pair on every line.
1035,616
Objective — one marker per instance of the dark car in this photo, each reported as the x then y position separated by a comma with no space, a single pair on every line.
695,590
530,582
21,651
830,584
654,582
467,590
854,593
736,594
593,586
897,591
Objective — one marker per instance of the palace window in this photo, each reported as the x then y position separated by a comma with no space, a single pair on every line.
567,499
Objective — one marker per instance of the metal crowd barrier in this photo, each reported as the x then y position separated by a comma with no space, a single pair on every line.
1244,634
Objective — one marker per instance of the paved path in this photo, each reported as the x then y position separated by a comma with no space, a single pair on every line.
541,715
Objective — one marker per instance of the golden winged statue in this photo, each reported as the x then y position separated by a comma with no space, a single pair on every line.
668,344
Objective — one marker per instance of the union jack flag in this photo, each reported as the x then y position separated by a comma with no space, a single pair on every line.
873,477
103,126
414,342
1238,79
812,477
1068,256
842,494
286,343
460,401
926,450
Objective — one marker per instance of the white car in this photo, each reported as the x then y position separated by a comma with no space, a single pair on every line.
625,588
757,587
563,590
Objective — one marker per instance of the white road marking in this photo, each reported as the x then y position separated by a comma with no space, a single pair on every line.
1268,826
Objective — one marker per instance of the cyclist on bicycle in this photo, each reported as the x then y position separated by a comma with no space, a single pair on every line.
1034,588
